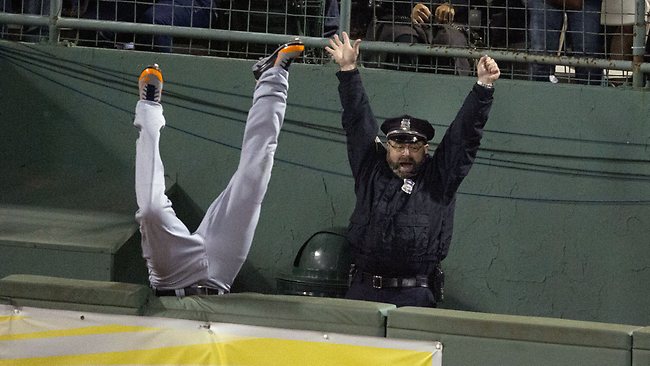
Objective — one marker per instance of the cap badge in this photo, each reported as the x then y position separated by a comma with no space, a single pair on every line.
405,124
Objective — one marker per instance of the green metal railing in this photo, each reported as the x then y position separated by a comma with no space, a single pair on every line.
55,22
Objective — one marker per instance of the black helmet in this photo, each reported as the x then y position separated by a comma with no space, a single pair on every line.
321,266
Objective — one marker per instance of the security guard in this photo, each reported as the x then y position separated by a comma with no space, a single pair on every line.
401,226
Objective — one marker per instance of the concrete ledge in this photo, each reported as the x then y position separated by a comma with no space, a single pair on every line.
641,347
484,339
73,294
468,338
62,242
280,311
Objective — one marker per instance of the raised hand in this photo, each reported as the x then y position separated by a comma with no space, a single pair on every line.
445,13
487,70
343,52
420,14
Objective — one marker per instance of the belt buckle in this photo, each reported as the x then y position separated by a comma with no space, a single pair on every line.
206,290
377,282
202,290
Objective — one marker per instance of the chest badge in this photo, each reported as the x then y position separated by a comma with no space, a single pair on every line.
408,185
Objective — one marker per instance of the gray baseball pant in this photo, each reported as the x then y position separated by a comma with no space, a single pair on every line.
212,255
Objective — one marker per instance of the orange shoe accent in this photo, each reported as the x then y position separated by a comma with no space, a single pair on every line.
281,57
151,71
293,48
150,83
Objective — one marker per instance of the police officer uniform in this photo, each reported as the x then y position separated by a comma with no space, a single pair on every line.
401,229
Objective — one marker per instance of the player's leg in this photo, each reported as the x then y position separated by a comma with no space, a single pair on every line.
175,258
230,222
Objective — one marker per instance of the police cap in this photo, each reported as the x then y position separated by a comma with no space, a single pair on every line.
407,129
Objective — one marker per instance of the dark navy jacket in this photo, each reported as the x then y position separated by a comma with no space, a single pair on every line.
394,233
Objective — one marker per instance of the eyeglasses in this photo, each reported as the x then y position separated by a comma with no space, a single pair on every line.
413,148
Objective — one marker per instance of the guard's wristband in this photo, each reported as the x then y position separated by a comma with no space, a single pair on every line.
485,85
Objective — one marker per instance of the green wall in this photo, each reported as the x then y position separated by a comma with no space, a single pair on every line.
552,221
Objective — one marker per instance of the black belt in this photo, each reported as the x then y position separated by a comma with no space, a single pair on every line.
394,282
189,291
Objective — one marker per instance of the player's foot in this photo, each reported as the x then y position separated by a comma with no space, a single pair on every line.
281,57
150,83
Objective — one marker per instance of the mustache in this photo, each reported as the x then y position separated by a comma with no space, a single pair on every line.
405,160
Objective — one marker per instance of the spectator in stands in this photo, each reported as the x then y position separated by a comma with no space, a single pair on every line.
430,23
506,26
441,28
5,7
206,261
69,8
583,31
401,227
332,21
34,7
119,11
181,13
618,16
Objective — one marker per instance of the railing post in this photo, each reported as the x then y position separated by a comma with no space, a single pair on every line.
55,13
638,45
346,10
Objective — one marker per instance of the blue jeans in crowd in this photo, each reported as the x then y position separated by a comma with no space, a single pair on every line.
583,33
5,7
182,13
332,15
34,7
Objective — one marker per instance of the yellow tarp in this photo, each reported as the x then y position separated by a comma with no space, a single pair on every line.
32,336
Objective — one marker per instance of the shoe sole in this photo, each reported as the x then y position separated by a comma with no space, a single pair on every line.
293,48
151,71
289,53
282,56
147,79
